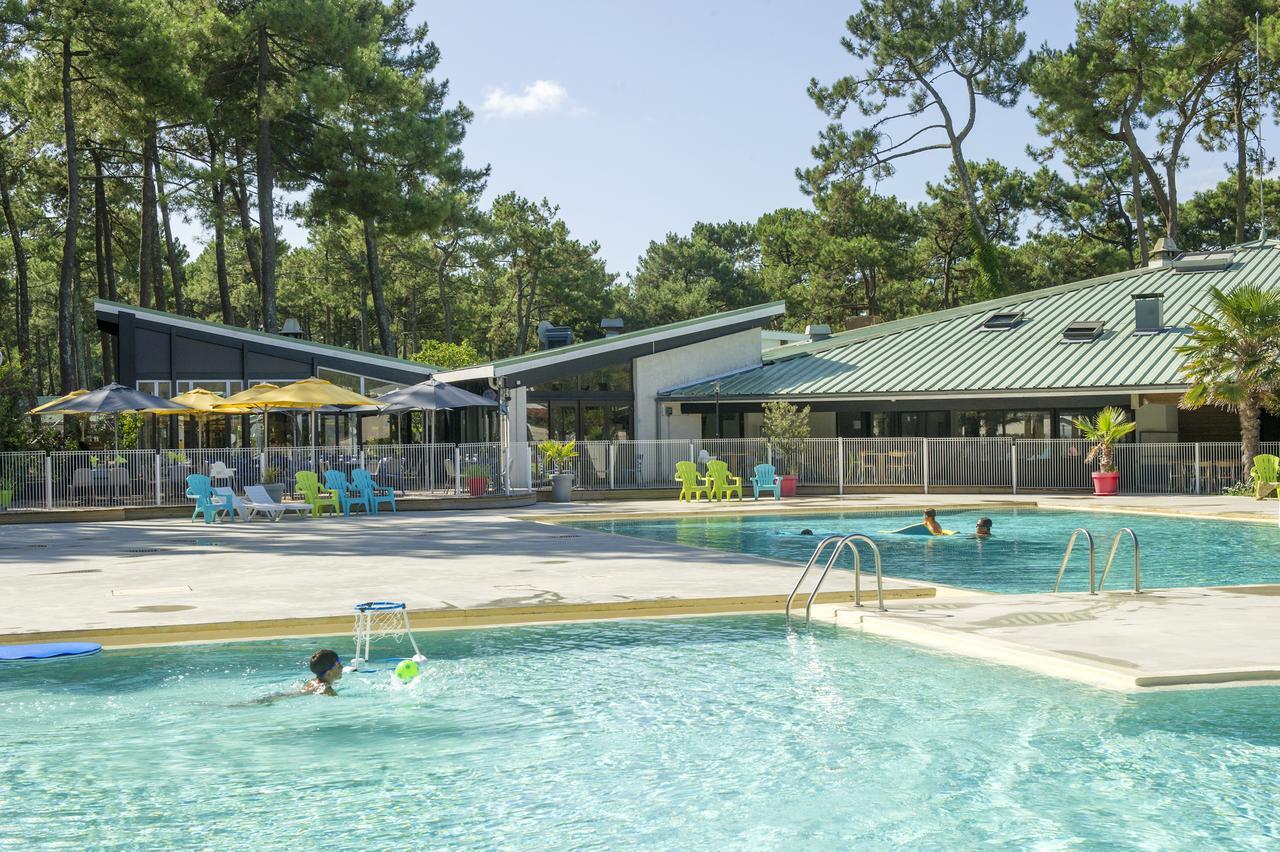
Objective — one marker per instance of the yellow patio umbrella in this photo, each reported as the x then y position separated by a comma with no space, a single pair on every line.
201,402
51,403
247,401
313,393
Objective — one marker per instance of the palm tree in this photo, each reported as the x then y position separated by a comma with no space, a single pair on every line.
1109,426
1233,359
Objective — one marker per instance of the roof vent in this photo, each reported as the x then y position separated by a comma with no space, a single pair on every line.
817,332
1002,321
1163,252
1082,332
554,336
292,328
1208,261
1146,313
612,327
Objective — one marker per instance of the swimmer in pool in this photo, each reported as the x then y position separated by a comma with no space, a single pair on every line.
984,528
806,531
327,668
931,522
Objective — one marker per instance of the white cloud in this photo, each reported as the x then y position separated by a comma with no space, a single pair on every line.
540,96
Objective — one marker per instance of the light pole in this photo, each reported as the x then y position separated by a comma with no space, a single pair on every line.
717,387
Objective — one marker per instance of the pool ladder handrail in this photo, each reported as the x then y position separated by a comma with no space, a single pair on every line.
849,541
1137,560
817,551
1066,557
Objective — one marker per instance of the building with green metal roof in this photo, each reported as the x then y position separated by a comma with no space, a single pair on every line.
1019,366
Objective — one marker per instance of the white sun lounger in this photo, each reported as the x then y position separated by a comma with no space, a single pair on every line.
258,500
240,506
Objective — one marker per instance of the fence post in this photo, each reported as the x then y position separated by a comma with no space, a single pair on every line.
503,461
1013,460
924,466
48,481
262,465
692,455
159,486
457,471
840,462
1197,468
528,464
613,458
768,453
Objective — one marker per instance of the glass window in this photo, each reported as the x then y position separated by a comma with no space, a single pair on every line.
564,421
350,381
1026,424
537,421
619,424
880,425
377,387
592,423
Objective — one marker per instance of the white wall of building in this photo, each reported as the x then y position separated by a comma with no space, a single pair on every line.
682,366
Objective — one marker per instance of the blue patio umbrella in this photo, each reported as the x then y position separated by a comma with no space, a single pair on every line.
114,399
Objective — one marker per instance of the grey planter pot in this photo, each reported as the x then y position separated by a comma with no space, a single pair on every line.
276,491
562,487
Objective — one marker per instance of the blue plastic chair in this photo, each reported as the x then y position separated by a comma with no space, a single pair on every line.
200,489
766,479
348,496
372,491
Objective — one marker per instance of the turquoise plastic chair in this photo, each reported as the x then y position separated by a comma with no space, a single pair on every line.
766,479
200,489
348,496
372,491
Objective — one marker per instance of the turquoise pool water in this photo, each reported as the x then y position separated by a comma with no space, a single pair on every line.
708,733
1023,554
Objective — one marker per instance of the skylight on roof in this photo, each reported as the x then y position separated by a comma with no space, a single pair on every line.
1082,332
1002,321
1205,261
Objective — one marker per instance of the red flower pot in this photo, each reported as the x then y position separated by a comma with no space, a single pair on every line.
477,486
1106,483
788,484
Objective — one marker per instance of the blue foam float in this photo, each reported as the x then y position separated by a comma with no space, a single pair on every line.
916,529
47,651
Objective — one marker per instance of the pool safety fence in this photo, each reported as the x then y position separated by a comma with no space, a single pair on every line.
37,480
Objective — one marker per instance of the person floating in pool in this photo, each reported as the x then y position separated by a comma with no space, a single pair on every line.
931,522
984,528
327,668
806,531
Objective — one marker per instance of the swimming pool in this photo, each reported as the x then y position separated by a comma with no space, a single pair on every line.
1023,554
703,733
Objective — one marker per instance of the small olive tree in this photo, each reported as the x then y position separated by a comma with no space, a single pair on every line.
786,427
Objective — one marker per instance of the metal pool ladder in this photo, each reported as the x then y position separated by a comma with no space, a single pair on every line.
1066,557
841,542
1137,560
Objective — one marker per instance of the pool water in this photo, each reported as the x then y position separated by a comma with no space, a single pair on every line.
704,733
1022,555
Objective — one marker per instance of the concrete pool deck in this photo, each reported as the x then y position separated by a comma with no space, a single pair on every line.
162,581
1163,638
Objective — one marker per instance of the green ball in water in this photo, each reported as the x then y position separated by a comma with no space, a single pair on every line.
407,670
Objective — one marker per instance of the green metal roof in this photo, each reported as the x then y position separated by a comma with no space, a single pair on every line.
277,339
944,354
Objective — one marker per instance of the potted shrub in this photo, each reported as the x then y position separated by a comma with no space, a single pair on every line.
6,494
1104,429
786,427
271,481
557,456
477,476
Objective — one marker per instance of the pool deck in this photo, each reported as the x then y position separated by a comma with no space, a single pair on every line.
161,581
1168,638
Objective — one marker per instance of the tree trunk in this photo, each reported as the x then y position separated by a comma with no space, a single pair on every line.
442,281
23,302
240,190
217,168
1250,431
176,272
266,187
380,311
987,260
1139,221
100,255
66,277
149,286
1242,155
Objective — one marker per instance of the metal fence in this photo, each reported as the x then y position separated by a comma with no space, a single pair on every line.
35,480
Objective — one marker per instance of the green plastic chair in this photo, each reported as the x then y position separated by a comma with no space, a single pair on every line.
320,499
722,483
692,484
1266,474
